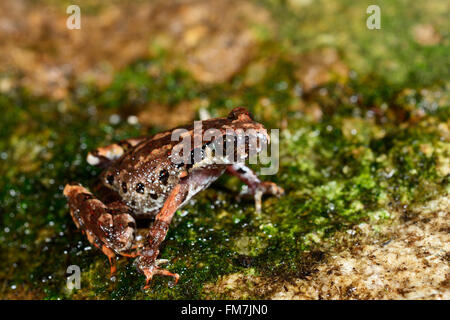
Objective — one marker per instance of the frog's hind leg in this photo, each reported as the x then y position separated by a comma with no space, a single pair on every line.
110,228
104,156
256,187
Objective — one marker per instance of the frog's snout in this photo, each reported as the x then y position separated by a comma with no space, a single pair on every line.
241,114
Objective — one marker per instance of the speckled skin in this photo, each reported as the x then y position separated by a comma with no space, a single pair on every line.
143,180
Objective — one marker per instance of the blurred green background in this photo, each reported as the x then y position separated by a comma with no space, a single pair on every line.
363,114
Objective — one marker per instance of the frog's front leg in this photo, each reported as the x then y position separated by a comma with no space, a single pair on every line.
110,228
256,187
146,262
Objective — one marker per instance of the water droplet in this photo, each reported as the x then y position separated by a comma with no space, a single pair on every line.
114,119
133,120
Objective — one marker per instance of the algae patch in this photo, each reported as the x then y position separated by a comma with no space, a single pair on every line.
367,137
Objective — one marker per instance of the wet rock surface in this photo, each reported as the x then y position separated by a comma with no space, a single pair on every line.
409,261
364,144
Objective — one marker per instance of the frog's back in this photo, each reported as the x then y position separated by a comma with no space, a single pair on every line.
144,175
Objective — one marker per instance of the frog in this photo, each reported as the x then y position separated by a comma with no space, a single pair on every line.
141,179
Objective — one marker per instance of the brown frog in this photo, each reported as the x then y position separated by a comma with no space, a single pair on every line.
142,179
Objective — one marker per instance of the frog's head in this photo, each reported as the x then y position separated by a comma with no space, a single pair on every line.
237,137
254,133
226,140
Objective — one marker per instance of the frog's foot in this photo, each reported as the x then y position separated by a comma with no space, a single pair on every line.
110,228
261,189
151,269
256,187
163,272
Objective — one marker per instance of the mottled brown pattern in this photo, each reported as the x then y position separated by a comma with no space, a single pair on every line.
144,179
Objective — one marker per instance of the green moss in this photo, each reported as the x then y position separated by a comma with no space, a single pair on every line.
356,163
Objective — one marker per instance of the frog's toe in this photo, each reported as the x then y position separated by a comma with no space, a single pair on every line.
149,273
271,189
149,269
266,187
164,272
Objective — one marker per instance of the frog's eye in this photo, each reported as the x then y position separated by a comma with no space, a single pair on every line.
241,114
140,188
110,179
